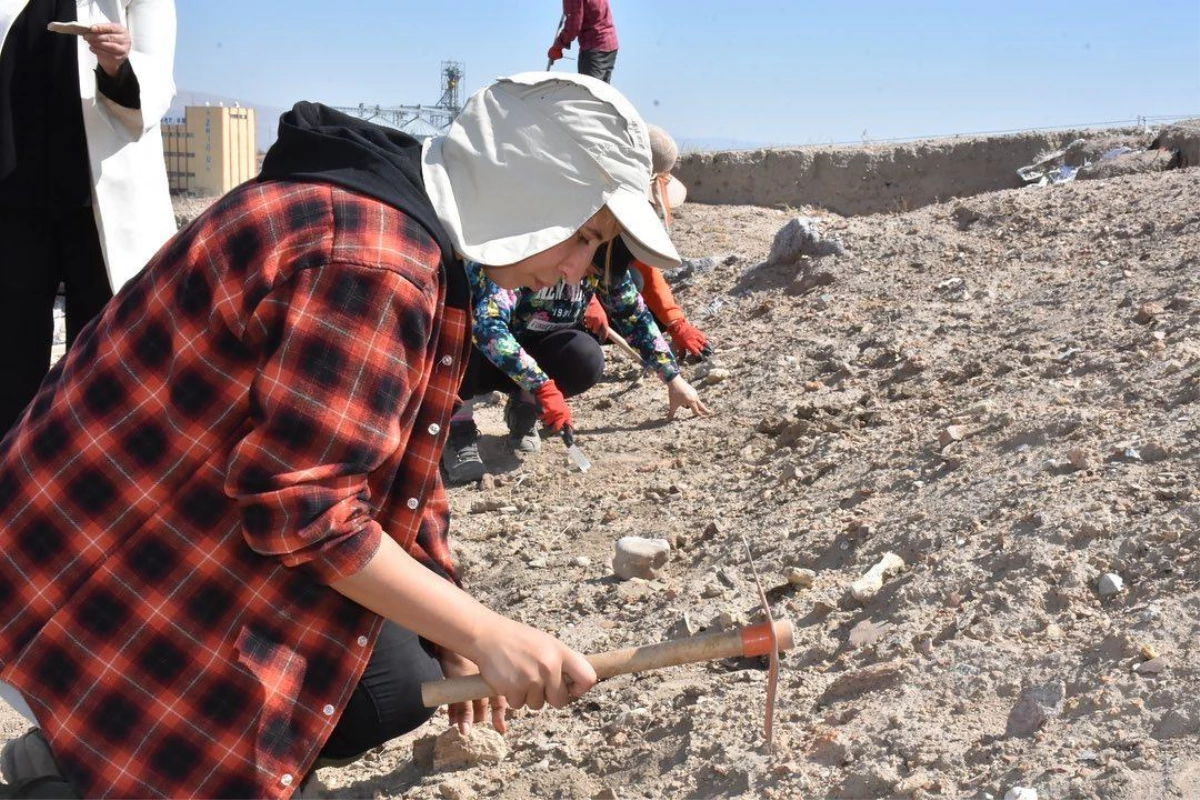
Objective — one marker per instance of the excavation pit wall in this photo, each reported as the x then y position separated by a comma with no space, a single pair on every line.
872,179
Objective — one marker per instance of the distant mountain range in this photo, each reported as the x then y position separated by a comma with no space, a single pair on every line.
268,116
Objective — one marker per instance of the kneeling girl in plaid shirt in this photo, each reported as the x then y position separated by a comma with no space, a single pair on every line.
223,534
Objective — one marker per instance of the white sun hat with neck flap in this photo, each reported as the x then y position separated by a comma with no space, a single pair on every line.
532,157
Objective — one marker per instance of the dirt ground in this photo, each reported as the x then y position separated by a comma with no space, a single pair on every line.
1002,391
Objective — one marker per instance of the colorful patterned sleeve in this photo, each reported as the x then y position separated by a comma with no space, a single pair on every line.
630,317
493,309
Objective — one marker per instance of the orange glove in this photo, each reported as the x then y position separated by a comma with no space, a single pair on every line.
595,320
554,53
688,339
552,406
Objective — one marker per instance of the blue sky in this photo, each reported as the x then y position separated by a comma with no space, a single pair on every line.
787,72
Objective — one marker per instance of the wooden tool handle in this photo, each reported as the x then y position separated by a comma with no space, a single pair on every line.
624,346
754,640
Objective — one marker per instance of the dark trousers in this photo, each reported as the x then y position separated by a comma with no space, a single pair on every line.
598,64
38,250
387,701
570,356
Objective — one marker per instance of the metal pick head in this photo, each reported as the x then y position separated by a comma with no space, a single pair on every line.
773,668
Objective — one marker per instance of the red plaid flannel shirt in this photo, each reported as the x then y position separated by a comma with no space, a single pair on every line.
238,429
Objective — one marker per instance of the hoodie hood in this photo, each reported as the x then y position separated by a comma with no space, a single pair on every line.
318,144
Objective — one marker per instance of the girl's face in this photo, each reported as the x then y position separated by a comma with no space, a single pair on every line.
567,261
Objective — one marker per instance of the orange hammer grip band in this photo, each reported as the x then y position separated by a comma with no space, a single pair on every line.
756,640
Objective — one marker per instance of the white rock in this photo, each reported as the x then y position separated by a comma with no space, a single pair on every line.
800,577
869,585
1021,793
637,557
1110,584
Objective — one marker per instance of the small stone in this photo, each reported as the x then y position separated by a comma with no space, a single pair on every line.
1081,458
1151,667
951,434
869,584
803,578
581,561
481,746
637,557
1148,312
455,790
1034,706
1021,793
1110,584
487,482
683,628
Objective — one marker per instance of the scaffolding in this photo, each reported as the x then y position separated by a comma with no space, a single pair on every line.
419,120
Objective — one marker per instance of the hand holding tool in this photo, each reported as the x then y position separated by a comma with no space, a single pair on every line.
752,640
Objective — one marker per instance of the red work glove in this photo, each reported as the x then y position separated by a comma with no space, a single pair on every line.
687,338
595,320
552,406
554,53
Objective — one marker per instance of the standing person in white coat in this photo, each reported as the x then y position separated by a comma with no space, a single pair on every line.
83,185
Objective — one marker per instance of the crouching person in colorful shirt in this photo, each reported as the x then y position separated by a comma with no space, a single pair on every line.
223,535
690,343
531,345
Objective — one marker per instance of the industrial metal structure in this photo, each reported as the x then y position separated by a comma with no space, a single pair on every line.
420,120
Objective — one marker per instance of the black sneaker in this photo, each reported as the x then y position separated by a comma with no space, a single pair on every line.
29,769
521,418
461,457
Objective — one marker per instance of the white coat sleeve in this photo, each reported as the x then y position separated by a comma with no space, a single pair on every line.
151,25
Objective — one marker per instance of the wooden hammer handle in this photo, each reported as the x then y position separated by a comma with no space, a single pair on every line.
754,640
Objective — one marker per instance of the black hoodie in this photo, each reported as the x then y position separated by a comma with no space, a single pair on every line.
318,144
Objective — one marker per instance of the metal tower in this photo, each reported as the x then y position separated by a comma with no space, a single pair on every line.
420,120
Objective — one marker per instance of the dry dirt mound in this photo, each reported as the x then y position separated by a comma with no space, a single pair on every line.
1001,391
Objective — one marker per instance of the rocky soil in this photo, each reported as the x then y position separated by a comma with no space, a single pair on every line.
1002,391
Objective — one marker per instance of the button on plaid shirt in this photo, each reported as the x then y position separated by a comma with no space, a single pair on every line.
239,428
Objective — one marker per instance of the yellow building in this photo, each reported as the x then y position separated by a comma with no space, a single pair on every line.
211,150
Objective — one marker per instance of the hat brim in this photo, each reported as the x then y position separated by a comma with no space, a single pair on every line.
642,230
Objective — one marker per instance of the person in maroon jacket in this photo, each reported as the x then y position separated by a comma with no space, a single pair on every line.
591,22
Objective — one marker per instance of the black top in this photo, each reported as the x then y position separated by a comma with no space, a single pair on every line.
43,148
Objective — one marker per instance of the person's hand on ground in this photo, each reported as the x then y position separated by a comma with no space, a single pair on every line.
554,53
688,339
529,667
463,715
596,320
552,407
111,44
681,394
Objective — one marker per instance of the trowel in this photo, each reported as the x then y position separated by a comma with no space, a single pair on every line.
576,455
